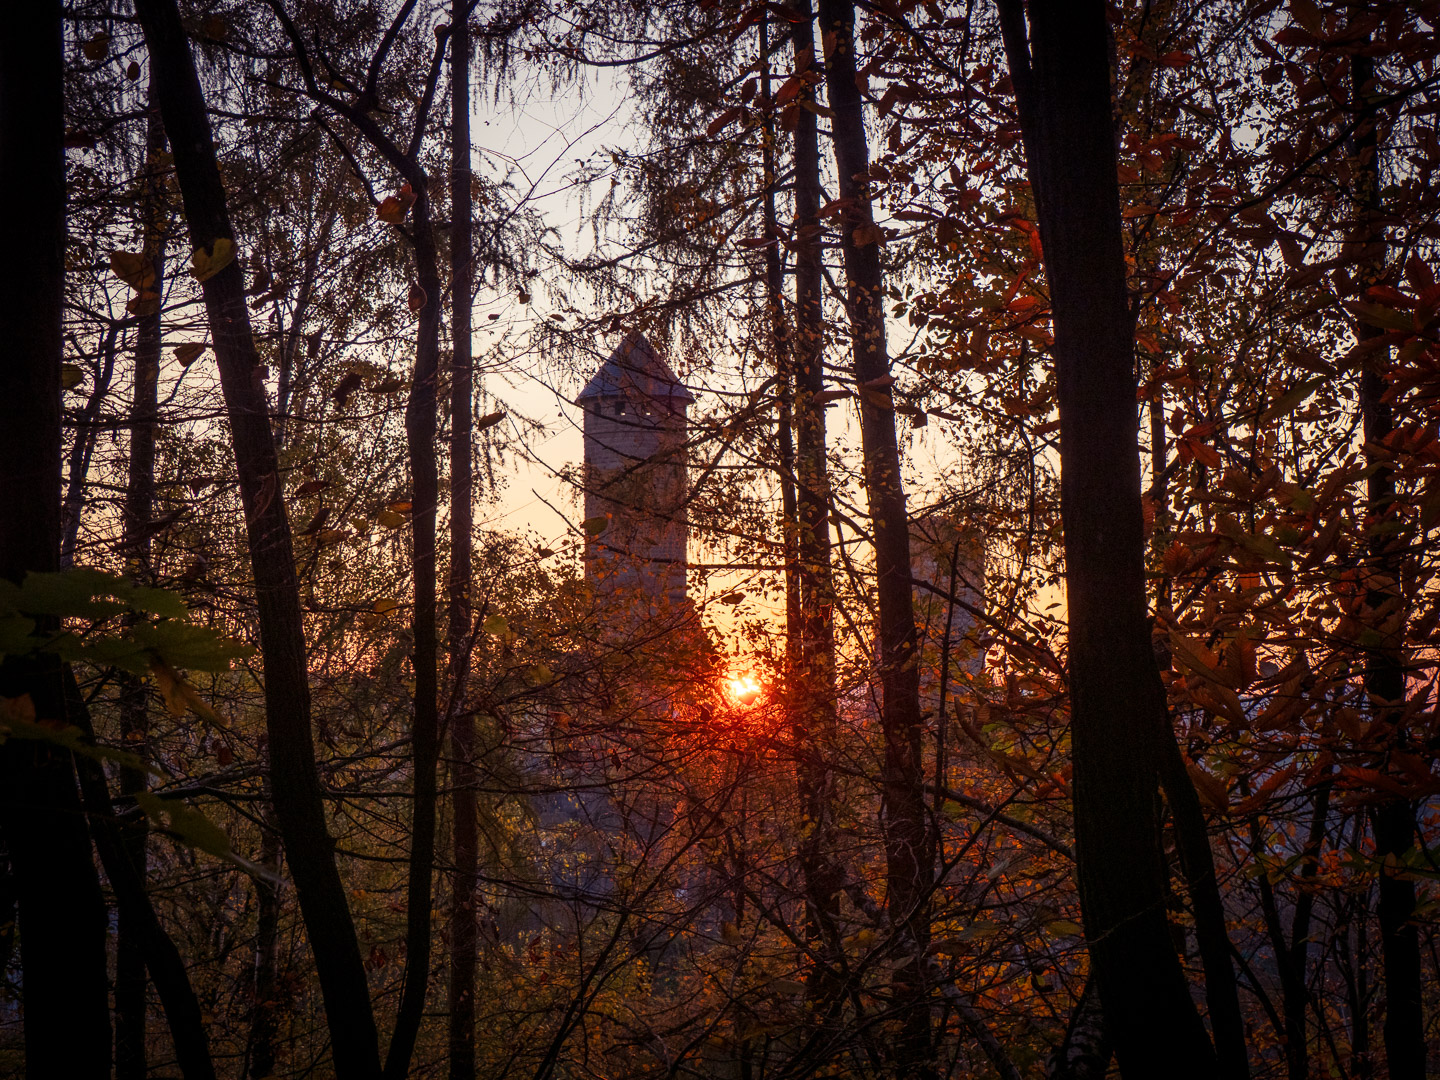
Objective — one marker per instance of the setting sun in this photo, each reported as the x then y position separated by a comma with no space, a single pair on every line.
744,689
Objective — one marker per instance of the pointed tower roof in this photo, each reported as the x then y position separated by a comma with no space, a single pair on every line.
635,366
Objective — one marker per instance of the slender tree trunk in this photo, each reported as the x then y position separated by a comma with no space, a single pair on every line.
908,871
781,351
265,1008
162,958
1197,863
61,909
464,942
299,808
815,710
82,450
420,434
130,1004
1118,708
1394,819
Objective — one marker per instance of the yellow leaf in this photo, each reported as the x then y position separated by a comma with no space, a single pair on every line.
134,268
179,695
206,264
386,605
71,376
390,519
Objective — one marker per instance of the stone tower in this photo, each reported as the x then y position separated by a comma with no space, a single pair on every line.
635,476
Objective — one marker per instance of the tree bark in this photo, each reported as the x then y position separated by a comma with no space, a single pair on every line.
783,358
909,871
299,808
420,435
130,1003
1118,708
1393,819
61,909
265,1008
464,881
815,709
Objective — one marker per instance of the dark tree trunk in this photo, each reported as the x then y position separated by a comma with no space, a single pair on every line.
162,958
783,357
1119,718
130,1004
61,910
464,881
1085,1052
1394,819
908,869
815,706
265,1007
299,808
420,433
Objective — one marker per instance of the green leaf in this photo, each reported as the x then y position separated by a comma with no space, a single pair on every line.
192,827
1383,317
1292,399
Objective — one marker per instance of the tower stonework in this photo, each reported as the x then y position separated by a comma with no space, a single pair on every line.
635,476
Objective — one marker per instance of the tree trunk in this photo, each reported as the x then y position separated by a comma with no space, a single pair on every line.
1119,718
909,872
265,1008
299,808
1393,819
420,433
464,881
783,357
162,958
62,914
130,1004
815,709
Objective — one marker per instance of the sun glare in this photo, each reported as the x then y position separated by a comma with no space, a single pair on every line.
744,689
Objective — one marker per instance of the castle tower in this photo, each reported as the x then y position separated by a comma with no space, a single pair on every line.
635,476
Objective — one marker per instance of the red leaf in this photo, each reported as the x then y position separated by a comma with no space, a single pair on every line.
719,123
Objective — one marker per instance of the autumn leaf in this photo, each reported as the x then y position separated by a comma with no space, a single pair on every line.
719,123
1211,789
416,298
206,264
134,268
178,695
96,48
390,211
489,420
188,353
345,387
1292,399
383,607
71,376
390,519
